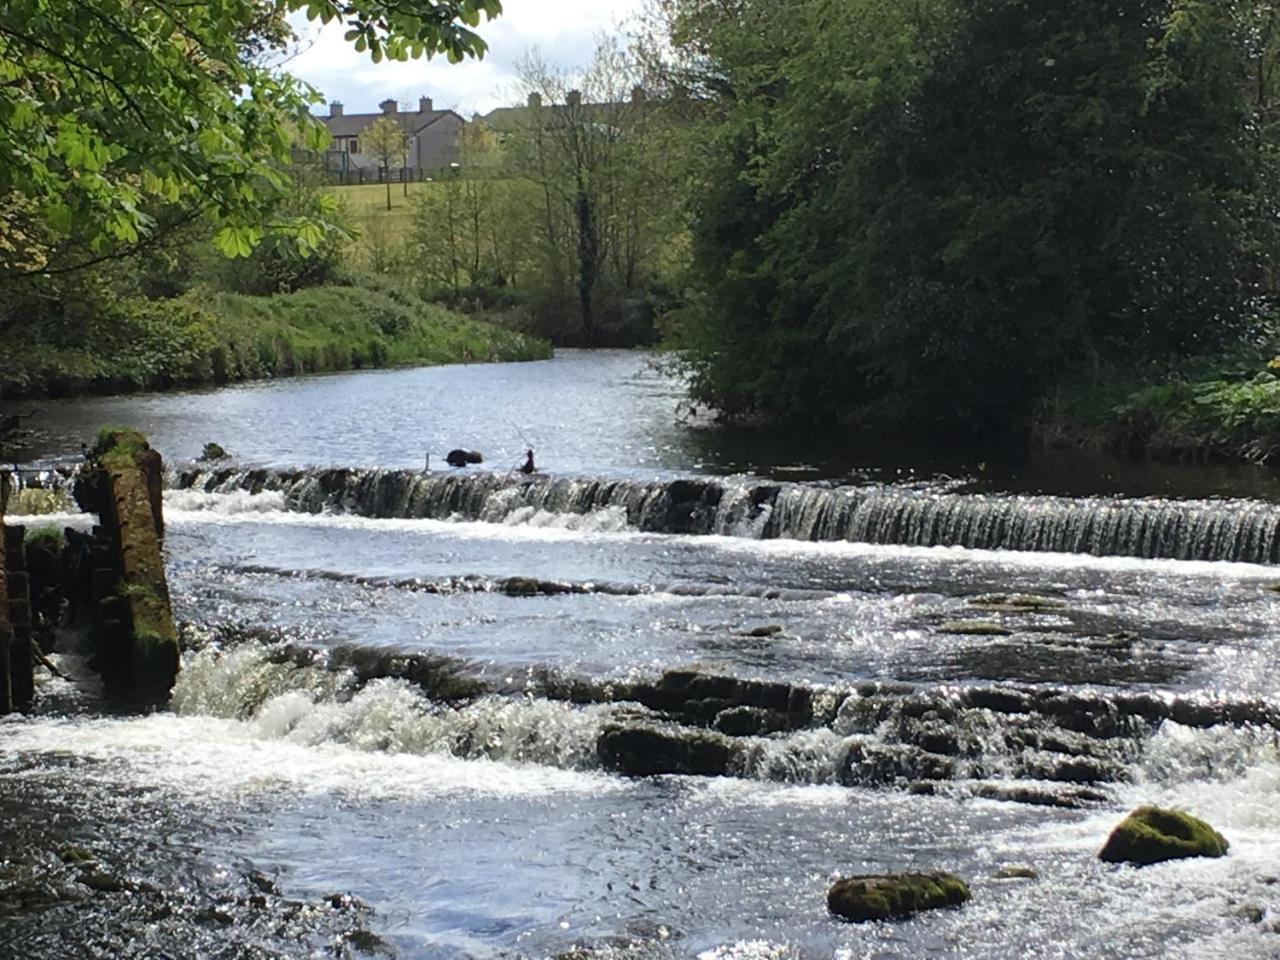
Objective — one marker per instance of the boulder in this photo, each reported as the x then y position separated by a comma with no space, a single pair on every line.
1152,835
894,896
642,751
211,452
460,458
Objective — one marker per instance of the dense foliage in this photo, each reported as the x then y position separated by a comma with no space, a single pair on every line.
933,213
122,118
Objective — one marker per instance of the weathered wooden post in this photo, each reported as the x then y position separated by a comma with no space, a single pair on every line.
137,643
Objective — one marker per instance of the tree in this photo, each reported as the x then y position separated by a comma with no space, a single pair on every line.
121,117
583,145
931,213
385,139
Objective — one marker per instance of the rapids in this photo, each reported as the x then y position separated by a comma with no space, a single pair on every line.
403,717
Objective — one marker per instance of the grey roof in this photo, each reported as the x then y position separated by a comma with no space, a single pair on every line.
354,124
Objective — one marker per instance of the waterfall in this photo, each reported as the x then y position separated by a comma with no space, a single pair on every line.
1232,530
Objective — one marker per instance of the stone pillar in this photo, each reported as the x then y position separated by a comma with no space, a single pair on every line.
18,590
134,634
6,695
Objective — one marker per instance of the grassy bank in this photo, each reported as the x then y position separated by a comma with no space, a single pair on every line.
1219,408
209,337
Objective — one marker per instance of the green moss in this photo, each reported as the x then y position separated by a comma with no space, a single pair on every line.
119,446
1152,835
48,539
894,896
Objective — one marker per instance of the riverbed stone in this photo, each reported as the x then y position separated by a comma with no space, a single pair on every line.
1016,602
894,896
213,451
1017,873
645,750
1153,835
750,721
975,628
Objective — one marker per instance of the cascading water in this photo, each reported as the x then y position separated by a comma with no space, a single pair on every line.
1208,530
604,713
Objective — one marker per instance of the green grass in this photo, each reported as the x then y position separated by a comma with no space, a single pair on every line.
215,337
370,199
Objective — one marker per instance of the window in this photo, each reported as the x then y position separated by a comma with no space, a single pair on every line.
353,145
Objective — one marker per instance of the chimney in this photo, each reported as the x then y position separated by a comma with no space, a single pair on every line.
573,98
388,107
425,105
637,94
535,101
335,108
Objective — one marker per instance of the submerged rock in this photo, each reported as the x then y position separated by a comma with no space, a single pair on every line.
1016,602
975,628
1017,873
1152,835
894,896
768,630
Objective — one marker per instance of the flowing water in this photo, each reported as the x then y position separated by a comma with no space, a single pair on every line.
407,698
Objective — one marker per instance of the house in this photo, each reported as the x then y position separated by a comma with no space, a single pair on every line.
432,137
508,120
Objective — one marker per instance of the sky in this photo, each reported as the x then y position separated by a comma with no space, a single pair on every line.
564,31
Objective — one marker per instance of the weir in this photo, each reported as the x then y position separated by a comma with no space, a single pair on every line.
1209,530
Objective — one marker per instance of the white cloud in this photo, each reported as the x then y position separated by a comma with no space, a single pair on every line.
563,30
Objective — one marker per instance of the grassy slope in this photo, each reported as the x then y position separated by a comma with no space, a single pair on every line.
222,337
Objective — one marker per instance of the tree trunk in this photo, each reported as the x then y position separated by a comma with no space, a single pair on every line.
588,252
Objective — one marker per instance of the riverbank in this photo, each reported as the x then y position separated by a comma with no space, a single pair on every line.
1216,409
213,337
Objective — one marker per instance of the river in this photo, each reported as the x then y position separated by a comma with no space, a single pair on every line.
389,733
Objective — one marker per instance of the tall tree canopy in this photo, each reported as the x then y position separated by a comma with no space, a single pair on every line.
930,212
112,110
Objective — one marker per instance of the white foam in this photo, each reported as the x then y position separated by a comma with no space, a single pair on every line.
217,757
34,521
191,507
230,504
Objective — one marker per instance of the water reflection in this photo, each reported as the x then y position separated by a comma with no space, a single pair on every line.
585,412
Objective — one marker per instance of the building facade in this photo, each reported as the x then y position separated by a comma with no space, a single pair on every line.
431,135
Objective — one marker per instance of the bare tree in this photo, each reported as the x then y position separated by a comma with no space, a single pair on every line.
575,144
385,139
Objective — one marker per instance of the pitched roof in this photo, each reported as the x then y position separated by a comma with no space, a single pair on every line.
354,124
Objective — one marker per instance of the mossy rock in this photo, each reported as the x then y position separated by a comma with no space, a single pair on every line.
1152,835
894,896
213,451
975,628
